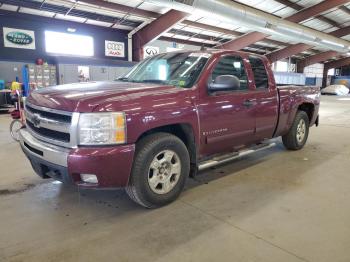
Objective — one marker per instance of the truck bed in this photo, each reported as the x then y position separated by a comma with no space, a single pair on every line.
290,96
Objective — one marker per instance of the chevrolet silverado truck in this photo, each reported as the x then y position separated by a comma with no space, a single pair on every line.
172,115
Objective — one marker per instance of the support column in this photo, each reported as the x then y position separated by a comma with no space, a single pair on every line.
325,76
154,30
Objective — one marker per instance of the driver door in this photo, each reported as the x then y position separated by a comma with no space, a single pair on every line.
227,118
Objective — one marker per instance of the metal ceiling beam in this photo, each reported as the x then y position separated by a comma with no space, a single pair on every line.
243,41
298,7
318,58
154,15
290,4
298,48
315,10
328,21
338,63
144,13
57,9
314,59
194,43
154,30
122,8
345,9
211,28
305,13
150,14
190,35
226,31
341,32
184,41
135,11
287,52
333,64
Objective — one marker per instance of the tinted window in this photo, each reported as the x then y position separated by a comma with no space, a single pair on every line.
231,65
259,71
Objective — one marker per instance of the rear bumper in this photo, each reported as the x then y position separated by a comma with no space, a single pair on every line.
111,164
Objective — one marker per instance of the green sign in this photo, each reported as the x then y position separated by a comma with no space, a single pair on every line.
19,38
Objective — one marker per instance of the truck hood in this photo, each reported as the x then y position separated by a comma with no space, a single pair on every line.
87,97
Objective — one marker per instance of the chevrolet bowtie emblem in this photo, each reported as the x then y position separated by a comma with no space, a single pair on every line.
36,120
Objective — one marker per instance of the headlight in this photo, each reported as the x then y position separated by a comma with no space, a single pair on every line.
102,128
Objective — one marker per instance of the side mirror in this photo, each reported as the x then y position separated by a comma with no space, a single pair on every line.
225,83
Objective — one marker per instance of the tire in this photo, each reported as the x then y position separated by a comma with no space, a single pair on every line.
15,126
155,170
297,135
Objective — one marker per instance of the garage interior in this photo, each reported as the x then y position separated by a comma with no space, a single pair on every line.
273,205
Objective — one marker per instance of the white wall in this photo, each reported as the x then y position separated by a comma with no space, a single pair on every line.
315,70
69,73
284,65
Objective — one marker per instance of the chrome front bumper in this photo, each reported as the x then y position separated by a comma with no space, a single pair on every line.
47,152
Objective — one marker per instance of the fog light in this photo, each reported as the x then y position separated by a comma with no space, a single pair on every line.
89,178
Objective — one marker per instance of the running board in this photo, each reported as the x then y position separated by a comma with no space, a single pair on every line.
229,157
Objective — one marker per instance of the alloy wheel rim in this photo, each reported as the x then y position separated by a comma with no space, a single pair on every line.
301,131
164,172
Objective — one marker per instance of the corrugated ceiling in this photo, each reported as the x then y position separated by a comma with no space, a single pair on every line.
86,13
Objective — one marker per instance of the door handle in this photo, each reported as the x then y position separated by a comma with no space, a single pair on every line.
249,103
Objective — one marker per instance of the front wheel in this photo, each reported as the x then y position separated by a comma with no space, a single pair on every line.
160,169
15,126
297,135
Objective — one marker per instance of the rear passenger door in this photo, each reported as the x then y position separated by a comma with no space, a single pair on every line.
266,110
226,117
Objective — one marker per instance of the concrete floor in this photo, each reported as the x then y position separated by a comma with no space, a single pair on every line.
276,205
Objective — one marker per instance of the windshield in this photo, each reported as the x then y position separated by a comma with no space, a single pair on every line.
177,69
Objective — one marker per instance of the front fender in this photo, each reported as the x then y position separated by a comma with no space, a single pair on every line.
160,115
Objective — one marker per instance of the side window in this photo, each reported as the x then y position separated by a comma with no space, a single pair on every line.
231,65
259,71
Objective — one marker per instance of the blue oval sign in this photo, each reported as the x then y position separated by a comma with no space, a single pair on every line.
19,38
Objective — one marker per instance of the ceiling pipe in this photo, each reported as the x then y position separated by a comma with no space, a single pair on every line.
240,15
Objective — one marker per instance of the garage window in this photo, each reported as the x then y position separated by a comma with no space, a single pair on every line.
69,44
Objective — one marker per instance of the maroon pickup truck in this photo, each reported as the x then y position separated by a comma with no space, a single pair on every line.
172,115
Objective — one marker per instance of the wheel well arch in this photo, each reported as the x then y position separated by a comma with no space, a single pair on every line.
183,131
308,108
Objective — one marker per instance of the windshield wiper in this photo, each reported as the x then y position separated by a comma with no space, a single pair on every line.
156,81
126,79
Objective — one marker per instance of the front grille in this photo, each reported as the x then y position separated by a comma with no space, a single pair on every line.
51,134
49,125
55,116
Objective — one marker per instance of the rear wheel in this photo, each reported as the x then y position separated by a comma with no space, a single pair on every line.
160,169
297,136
